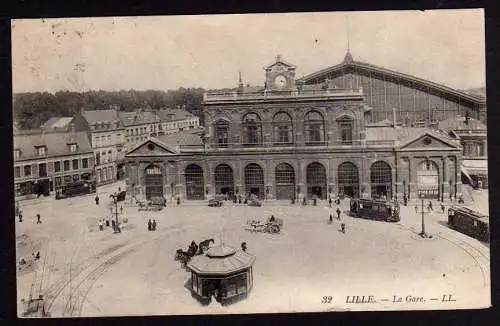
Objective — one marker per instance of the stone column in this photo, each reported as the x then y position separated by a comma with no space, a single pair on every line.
269,181
364,171
301,182
445,188
412,178
179,187
208,180
240,178
332,180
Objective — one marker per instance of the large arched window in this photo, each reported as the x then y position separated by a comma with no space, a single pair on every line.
252,129
381,180
348,179
346,127
221,129
314,127
282,127
195,182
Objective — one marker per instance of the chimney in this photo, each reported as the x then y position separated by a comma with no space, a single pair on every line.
394,120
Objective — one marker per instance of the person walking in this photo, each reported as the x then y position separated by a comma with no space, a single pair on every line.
442,208
101,228
20,217
150,225
338,213
154,225
96,199
330,201
342,227
405,199
107,221
429,207
330,219
38,219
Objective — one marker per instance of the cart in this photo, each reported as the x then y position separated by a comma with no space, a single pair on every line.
264,225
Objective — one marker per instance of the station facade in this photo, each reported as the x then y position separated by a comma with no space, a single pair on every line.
287,140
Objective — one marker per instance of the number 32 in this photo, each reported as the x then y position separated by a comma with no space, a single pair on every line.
327,299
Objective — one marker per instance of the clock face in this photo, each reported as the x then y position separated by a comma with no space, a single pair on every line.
280,81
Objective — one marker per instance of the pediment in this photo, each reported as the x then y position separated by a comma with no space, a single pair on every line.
428,141
151,147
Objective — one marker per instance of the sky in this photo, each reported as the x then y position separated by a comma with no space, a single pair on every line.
167,52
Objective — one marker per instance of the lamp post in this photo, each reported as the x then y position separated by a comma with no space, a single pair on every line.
115,202
423,234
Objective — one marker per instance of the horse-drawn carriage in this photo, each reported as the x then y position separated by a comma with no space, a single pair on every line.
194,249
154,204
270,225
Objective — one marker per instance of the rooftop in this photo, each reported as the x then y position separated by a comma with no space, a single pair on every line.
57,123
174,114
55,142
221,260
458,123
95,116
138,117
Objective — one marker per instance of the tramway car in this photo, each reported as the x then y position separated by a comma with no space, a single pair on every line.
469,222
79,188
375,209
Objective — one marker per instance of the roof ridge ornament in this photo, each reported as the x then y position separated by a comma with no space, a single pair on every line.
348,57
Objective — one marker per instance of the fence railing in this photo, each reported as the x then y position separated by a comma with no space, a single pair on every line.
235,95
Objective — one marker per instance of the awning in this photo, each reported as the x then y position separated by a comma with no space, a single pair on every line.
466,173
475,166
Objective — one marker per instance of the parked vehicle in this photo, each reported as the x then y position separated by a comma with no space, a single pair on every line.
264,225
214,203
78,188
375,209
469,222
254,202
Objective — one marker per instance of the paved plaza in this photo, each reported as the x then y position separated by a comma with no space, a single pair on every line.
87,272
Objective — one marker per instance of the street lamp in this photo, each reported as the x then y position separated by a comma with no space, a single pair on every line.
115,201
422,233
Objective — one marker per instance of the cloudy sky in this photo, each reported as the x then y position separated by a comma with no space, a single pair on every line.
167,52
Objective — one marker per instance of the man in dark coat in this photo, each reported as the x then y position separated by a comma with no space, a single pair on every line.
330,202
38,219
153,225
330,220
97,200
150,225
342,227
338,213
20,217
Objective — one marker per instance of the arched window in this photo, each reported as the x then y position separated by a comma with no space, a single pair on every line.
282,126
381,180
346,126
314,127
221,129
252,129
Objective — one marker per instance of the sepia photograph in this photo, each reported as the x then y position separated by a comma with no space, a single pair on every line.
250,163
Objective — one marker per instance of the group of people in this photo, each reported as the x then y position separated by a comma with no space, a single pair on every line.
152,225
342,224
38,218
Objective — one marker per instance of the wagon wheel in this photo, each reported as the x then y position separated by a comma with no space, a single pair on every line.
275,229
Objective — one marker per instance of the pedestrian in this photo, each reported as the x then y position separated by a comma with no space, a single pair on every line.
100,225
38,219
442,208
113,224
304,201
96,199
107,221
150,225
244,246
314,201
429,207
338,213
20,217
416,208
405,199
330,220
342,227
37,257
178,200
154,225
330,201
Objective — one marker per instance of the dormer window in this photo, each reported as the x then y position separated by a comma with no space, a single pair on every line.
72,148
41,150
17,154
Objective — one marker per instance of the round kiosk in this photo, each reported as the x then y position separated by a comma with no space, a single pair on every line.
223,272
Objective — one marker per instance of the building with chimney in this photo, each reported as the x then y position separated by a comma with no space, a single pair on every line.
321,135
175,120
107,136
139,125
44,161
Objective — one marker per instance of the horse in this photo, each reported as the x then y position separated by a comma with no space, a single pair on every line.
204,245
193,249
182,256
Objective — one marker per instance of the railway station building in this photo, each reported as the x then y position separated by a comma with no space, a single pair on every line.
325,134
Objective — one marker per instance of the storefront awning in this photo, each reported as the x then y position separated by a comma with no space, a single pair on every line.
475,167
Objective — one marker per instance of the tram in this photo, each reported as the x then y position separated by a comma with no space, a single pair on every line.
375,209
469,222
76,189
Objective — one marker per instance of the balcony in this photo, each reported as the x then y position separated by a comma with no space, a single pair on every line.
222,97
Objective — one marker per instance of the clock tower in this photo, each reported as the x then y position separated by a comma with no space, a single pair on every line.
280,76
